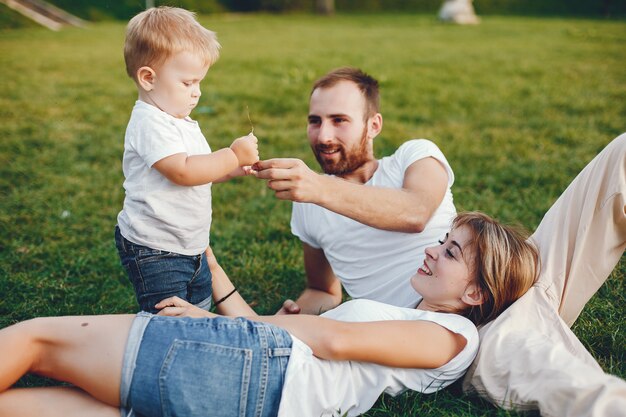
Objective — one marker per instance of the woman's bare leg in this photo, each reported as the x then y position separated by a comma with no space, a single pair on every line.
53,402
86,351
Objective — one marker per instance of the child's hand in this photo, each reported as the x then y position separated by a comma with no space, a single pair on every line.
248,170
246,149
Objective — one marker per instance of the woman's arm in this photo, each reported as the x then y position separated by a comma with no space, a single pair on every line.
396,343
228,303
234,304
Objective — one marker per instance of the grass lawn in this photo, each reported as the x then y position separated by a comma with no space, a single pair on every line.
518,105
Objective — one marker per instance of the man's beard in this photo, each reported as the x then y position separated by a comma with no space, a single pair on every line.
349,161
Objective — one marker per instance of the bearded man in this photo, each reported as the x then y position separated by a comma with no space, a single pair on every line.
366,222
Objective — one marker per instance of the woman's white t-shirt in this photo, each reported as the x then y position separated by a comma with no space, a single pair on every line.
319,388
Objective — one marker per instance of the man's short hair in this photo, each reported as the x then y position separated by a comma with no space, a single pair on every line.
367,84
156,34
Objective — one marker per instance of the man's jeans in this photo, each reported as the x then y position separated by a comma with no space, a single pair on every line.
157,274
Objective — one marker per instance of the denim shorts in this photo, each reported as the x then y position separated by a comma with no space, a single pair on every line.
219,367
157,274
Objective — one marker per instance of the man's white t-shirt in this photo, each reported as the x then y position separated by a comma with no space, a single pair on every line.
158,213
320,388
372,263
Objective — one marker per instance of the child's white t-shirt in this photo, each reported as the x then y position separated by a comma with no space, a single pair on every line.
158,213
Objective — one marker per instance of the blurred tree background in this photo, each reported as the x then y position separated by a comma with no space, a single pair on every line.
96,10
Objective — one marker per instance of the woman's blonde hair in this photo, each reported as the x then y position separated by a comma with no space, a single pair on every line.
505,264
156,34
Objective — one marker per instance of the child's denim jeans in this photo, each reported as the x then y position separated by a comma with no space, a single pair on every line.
157,274
220,367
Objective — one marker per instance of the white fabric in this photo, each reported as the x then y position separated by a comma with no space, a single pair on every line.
529,358
316,387
458,11
158,213
372,263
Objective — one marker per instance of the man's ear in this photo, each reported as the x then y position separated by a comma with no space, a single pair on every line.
374,125
473,295
146,78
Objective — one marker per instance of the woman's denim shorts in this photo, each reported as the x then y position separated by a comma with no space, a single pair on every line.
203,367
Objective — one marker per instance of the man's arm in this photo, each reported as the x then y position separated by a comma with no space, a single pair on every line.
323,290
403,210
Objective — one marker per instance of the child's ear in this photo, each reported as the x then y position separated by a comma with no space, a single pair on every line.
146,77
473,295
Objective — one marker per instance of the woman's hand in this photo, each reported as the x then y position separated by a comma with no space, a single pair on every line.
177,307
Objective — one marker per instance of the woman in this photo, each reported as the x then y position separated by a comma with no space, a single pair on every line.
336,364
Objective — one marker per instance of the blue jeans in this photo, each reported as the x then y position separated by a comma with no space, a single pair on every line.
220,367
157,274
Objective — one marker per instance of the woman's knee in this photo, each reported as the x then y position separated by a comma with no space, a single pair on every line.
45,338
36,335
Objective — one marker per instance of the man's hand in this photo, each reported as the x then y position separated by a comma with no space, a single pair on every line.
246,149
289,307
177,307
291,179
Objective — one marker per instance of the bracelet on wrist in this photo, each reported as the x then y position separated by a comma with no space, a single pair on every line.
221,300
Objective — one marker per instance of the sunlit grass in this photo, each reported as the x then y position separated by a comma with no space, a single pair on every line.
518,105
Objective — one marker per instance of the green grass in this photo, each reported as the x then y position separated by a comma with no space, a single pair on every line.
518,105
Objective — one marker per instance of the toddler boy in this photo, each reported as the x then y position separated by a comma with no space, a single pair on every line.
163,228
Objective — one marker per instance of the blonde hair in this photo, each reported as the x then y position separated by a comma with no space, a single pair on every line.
367,84
156,34
505,264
